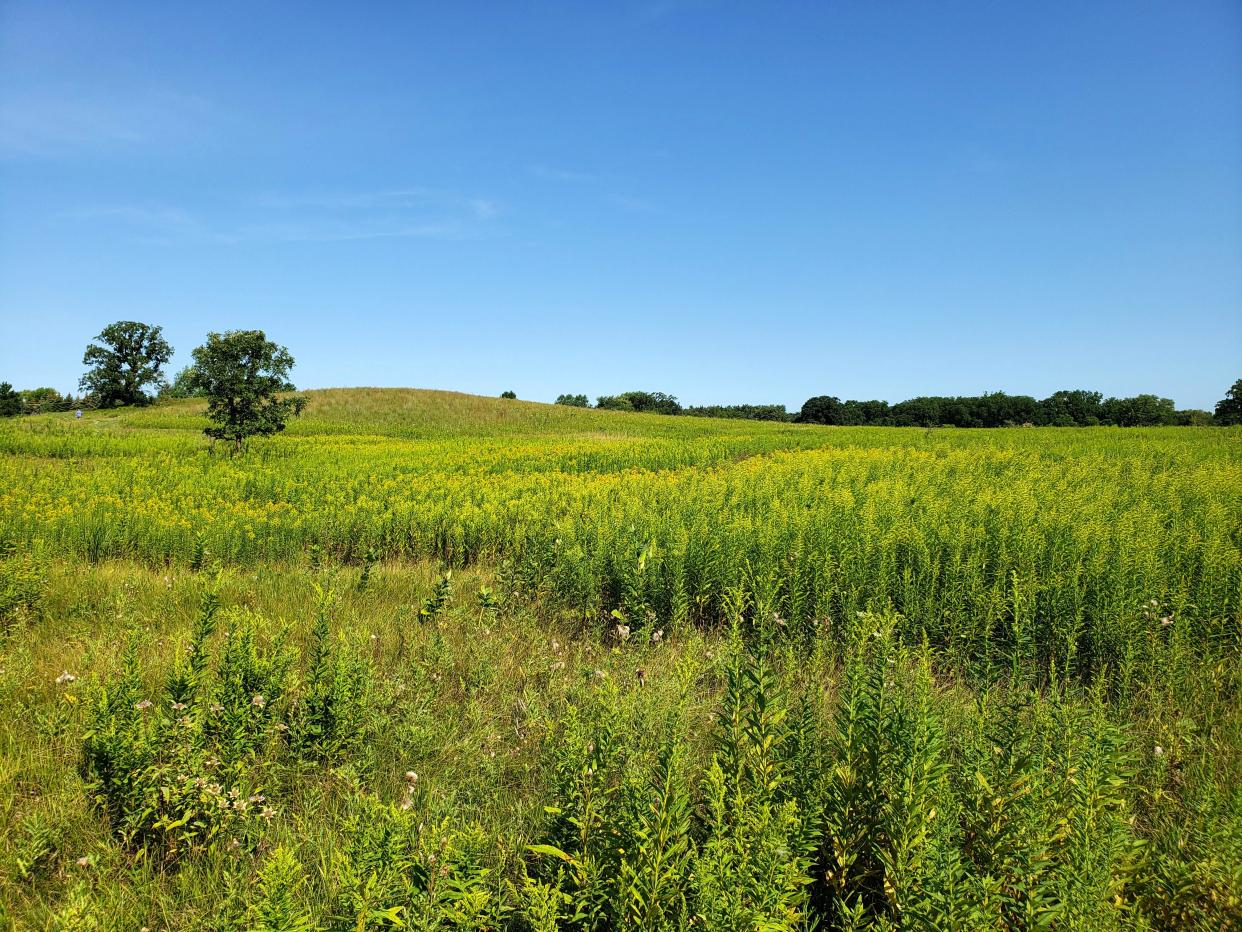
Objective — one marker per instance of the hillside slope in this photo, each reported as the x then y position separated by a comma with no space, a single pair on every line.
417,413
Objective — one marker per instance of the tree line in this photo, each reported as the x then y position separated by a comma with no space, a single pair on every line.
1068,408
663,403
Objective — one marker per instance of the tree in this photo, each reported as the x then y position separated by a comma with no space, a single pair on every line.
613,403
1068,408
240,372
1139,411
922,411
1229,408
651,402
573,401
740,412
1195,417
125,357
182,386
41,400
510,395
873,412
10,401
822,409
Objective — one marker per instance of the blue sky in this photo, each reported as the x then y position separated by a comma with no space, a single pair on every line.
731,202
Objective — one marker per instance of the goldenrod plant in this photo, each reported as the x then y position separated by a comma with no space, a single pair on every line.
431,661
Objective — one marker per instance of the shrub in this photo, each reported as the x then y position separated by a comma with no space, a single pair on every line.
183,774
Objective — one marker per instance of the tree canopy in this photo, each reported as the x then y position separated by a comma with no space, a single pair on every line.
653,402
1229,408
241,372
10,400
182,385
124,359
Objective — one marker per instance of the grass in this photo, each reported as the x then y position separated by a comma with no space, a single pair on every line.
430,660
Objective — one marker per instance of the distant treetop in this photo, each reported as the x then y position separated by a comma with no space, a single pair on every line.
1229,408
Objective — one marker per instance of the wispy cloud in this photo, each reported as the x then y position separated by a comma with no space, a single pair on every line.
305,218
635,205
484,209
553,173
343,230
55,122
595,182
395,198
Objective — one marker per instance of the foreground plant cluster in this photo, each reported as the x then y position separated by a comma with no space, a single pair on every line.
441,663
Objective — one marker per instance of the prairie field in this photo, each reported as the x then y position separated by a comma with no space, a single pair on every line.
435,661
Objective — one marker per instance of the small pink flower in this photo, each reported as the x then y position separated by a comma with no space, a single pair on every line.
143,705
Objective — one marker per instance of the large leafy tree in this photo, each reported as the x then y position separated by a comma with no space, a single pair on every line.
125,358
1229,408
241,372
822,409
1139,411
1071,407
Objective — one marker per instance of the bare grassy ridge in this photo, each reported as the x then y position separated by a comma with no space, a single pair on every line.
684,673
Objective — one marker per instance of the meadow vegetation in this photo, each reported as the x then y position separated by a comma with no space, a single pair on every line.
434,661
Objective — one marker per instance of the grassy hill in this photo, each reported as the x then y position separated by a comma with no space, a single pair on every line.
650,672
414,413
